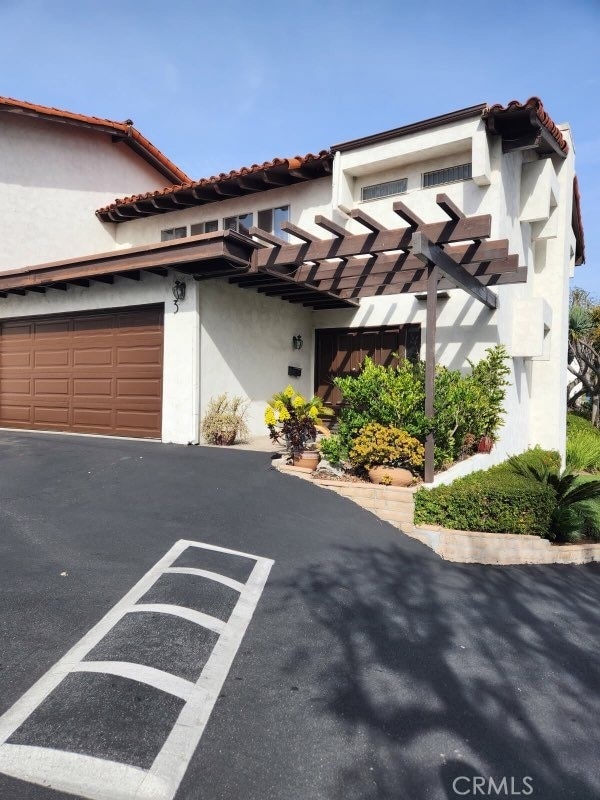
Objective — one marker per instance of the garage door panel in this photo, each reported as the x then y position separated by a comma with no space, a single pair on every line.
137,421
92,356
92,387
51,415
97,373
138,355
57,386
93,418
15,414
16,386
51,358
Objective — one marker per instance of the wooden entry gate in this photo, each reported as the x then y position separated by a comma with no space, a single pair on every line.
340,352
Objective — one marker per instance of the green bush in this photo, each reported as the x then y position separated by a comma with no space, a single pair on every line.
505,504
378,445
496,500
333,450
466,406
583,445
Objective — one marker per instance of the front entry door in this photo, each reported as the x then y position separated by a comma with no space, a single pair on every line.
341,351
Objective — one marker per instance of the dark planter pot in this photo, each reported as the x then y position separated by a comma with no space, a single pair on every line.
485,444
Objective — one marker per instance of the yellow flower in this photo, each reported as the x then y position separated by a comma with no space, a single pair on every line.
283,414
313,412
270,418
298,401
289,392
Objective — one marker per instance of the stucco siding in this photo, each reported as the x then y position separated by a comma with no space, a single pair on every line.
53,177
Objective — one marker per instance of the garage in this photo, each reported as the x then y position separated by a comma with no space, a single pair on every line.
95,372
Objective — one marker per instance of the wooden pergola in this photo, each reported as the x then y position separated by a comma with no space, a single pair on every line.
321,273
417,257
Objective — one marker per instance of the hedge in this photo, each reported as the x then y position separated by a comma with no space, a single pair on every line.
495,500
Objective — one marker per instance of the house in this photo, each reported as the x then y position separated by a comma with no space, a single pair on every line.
126,316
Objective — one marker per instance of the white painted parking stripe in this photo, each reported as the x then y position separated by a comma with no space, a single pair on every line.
205,620
100,779
77,774
165,681
205,573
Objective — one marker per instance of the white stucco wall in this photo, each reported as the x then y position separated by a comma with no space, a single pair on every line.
181,340
246,347
53,177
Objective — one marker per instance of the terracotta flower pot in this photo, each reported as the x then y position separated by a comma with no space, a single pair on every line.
485,444
391,476
309,459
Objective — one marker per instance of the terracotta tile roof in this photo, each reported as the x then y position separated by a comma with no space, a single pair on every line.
533,104
313,164
125,130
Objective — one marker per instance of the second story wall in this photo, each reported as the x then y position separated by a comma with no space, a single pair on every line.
53,177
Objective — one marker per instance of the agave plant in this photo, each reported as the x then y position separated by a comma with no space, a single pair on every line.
574,514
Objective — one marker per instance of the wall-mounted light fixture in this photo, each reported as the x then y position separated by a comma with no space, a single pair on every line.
178,293
297,342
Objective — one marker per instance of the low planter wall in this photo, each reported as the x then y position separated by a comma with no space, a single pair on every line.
396,506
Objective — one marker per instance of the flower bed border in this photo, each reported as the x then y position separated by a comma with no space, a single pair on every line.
396,506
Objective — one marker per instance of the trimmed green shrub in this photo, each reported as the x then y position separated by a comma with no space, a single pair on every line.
583,445
496,500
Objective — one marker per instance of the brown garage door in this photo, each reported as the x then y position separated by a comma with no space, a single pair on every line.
98,372
341,351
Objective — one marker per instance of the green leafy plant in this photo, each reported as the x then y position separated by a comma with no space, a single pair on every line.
466,406
333,450
292,419
583,445
381,445
225,420
572,513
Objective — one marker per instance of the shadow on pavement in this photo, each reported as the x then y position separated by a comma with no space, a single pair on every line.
437,668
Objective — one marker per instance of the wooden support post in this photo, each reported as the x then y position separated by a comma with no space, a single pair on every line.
430,331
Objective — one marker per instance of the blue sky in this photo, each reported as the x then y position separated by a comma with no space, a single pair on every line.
220,85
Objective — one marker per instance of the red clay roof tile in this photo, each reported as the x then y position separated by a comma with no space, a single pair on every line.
536,105
130,135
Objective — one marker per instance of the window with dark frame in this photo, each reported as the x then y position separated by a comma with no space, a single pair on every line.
387,189
437,177
242,223
173,233
204,227
270,219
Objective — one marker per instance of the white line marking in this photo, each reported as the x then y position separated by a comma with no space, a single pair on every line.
205,620
165,681
205,573
74,773
100,779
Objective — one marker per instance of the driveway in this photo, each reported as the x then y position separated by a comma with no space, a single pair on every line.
365,668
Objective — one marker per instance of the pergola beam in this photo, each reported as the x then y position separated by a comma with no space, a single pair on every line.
431,253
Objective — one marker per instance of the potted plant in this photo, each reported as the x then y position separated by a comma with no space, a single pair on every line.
292,419
388,454
225,420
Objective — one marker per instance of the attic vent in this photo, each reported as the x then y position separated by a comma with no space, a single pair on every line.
447,175
378,190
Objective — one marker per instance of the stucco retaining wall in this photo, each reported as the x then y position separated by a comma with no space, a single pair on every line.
396,506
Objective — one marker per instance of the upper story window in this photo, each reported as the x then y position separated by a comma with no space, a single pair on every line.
241,223
204,227
270,219
173,233
447,175
378,190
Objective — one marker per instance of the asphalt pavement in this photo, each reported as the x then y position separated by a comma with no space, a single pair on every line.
356,666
